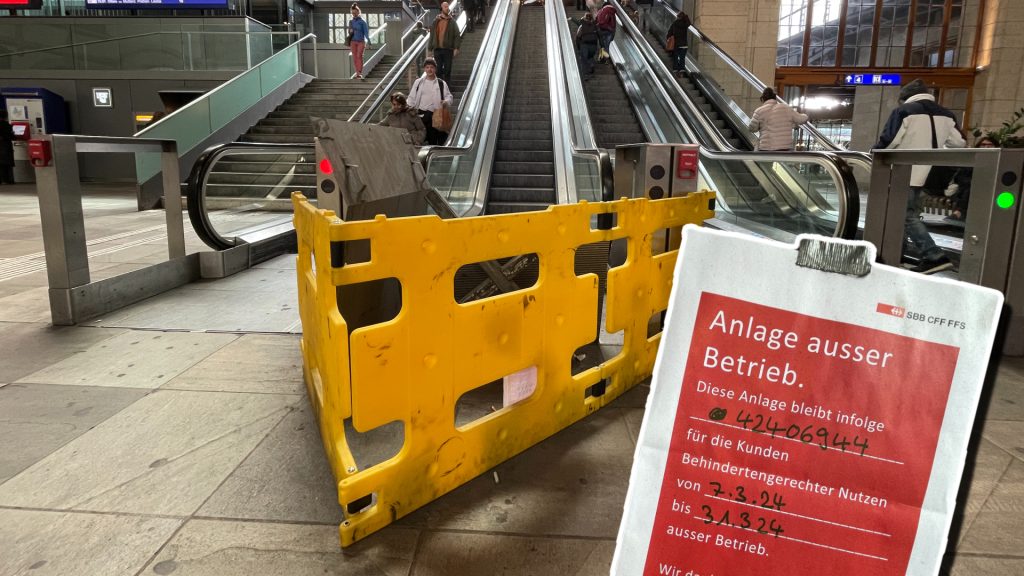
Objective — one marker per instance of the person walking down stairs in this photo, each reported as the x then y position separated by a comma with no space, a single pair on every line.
359,38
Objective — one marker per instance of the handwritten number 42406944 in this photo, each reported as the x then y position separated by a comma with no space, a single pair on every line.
807,434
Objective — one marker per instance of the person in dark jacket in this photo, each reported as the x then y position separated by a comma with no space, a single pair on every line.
6,150
678,32
920,123
444,42
587,42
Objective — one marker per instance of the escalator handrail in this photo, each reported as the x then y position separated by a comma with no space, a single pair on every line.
195,186
568,89
363,113
476,95
833,163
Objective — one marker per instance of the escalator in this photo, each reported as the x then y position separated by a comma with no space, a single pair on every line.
523,176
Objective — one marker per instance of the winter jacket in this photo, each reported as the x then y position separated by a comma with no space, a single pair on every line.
360,30
910,128
451,38
774,121
679,29
587,32
606,18
409,120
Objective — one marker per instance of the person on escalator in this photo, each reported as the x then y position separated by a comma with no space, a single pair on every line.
677,40
444,42
586,44
605,30
470,7
921,123
402,116
774,122
428,95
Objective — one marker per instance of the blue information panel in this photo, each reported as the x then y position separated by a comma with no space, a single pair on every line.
873,79
157,4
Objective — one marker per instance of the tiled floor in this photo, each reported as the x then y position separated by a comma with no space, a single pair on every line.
140,444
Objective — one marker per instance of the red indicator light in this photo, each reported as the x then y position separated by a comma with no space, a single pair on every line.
325,166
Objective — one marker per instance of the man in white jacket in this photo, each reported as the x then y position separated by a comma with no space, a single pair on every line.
920,123
775,121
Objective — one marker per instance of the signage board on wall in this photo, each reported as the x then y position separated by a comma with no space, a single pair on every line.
812,422
869,79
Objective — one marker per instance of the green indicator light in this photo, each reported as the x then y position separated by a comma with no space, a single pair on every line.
1005,200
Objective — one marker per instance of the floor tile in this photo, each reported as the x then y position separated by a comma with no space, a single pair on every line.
282,262
224,548
996,529
443,554
254,280
31,347
36,419
60,543
285,478
634,418
981,566
990,465
1007,401
254,363
214,310
1008,435
136,359
573,483
164,454
27,306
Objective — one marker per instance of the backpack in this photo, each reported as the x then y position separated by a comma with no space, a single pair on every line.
586,33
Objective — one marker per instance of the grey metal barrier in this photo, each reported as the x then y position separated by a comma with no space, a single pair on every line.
74,297
993,240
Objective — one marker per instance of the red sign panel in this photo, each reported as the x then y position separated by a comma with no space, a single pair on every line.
795,450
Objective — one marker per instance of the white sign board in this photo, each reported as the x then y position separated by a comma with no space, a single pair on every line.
809,413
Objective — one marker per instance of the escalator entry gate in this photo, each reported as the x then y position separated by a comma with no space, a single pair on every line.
412,367
656,171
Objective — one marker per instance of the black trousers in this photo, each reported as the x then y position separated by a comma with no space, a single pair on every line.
6,174
434,136
443,57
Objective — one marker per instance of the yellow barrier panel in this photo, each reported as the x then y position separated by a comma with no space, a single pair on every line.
414,367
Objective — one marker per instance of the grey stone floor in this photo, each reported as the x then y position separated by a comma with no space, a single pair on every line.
140,444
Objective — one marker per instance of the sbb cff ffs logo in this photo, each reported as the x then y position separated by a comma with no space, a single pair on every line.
900,312
897,311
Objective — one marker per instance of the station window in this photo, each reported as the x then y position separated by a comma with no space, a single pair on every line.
338,25
874,33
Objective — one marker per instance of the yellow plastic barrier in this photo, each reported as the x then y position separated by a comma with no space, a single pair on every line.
415,367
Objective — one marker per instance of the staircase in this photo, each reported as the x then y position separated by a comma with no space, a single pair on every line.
277,175
697,96
523,177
